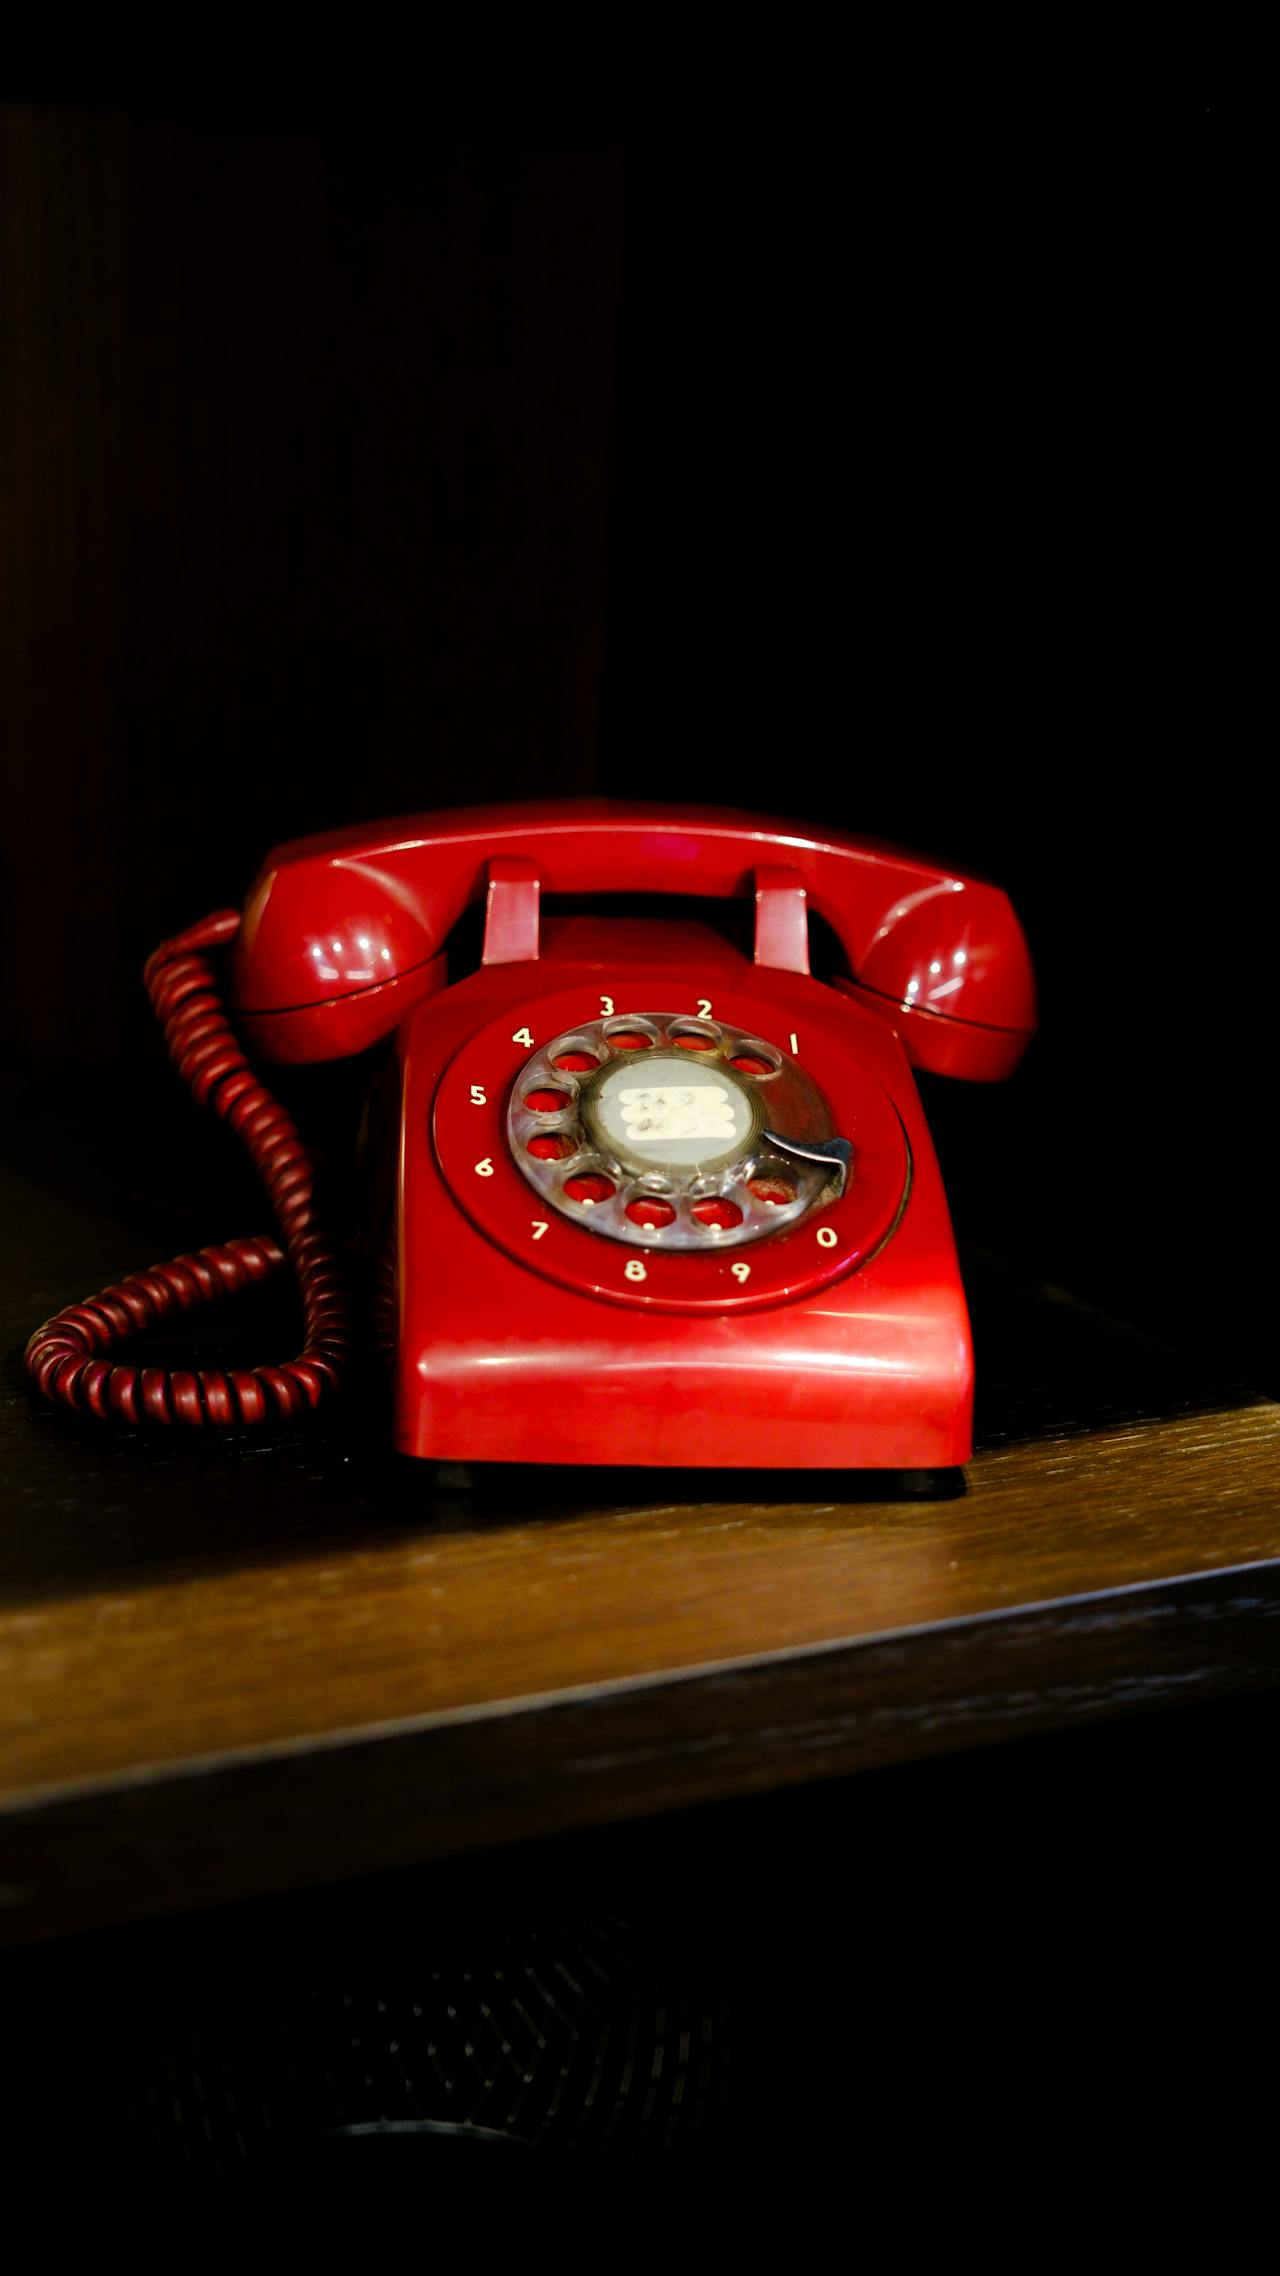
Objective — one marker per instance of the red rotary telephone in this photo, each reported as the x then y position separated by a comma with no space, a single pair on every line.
650,1200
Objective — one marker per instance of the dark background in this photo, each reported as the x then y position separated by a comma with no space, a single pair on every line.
903,479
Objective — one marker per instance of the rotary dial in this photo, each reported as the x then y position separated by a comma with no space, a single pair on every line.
674,1133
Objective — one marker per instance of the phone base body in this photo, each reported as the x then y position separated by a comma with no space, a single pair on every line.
496,1361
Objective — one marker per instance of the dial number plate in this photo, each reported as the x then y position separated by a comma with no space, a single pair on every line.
634,1156
659,1130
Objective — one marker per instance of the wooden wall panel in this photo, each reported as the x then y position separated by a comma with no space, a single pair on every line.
305,475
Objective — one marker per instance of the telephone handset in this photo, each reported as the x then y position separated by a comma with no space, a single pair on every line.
652,1200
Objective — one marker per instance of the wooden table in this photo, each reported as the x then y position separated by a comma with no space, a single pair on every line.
234,1668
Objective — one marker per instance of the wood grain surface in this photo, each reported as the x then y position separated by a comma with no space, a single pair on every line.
242,1667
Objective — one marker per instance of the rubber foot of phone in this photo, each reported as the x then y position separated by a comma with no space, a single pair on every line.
455,1478
931,1485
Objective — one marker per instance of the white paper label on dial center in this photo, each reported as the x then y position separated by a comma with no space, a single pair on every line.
655,1116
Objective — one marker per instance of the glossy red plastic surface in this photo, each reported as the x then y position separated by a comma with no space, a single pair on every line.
521,1338
512,919
471,1147
66,1359
782,919
681,1330
348,925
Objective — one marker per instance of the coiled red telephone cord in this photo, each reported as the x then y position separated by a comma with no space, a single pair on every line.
64,1357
